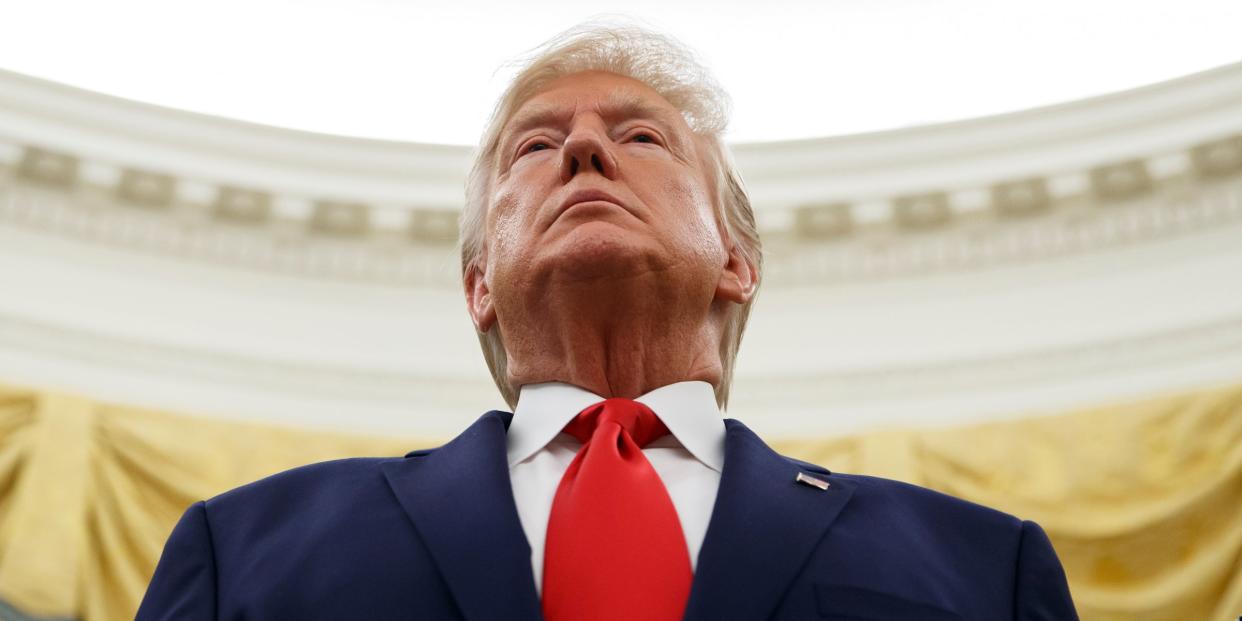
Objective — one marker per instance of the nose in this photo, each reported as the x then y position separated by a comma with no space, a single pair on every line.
587,150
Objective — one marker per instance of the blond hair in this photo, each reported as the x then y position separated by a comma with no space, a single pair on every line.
670,69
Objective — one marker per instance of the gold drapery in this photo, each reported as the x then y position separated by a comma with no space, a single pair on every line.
1142,500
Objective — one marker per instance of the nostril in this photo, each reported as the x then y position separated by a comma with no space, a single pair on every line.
573,166
596,163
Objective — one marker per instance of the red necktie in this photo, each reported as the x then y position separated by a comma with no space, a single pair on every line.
615,549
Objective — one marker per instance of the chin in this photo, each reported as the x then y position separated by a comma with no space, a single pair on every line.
600,249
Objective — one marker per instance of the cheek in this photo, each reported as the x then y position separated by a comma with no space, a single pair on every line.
514,208
696,216
503,223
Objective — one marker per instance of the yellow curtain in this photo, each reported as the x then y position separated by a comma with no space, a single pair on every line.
1142,500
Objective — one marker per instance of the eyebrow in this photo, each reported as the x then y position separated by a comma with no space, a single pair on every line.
617,106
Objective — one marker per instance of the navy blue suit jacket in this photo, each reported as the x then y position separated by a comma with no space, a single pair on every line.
435,535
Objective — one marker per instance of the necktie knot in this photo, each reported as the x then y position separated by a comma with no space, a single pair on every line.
615,549
634,418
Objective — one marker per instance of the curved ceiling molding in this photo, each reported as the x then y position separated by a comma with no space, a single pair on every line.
1024,262
1041,172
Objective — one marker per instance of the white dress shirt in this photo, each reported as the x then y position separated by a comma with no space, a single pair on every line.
689,460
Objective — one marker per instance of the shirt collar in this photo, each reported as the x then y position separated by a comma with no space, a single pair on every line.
688,409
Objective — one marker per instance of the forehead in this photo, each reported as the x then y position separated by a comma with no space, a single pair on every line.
613,97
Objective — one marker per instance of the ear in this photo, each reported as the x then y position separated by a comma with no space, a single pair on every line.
739,278
479,298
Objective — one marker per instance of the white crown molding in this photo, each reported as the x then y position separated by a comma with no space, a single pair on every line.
1175,206
124,133
95,216
1061,144
1025,262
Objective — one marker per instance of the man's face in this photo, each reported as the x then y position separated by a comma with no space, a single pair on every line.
599,177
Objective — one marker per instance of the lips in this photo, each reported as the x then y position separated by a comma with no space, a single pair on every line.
586,196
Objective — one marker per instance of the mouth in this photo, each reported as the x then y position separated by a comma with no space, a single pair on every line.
579,197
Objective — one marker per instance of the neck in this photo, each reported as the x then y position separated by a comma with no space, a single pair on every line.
615,342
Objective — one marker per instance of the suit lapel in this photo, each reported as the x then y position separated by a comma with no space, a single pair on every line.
461,502
762,529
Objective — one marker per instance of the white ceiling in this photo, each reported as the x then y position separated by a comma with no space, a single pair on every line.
426,72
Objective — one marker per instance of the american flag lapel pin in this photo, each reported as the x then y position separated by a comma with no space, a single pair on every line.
807,479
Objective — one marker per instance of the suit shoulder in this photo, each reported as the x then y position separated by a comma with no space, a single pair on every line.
346,476
806,465
906,500
902,493
312,515
928,503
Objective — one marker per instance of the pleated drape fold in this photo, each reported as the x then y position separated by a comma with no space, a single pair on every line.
1142,500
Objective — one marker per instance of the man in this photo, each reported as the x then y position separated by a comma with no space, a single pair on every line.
609,262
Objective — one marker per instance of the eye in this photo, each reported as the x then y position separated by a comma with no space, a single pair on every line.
531,145
644,138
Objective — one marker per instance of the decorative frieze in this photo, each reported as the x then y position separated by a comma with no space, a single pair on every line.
1024,197
1121,181
922,212
339,218
1072,226
48,167
242,206
146,189
1221,158
1029,218
823,221
434,226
